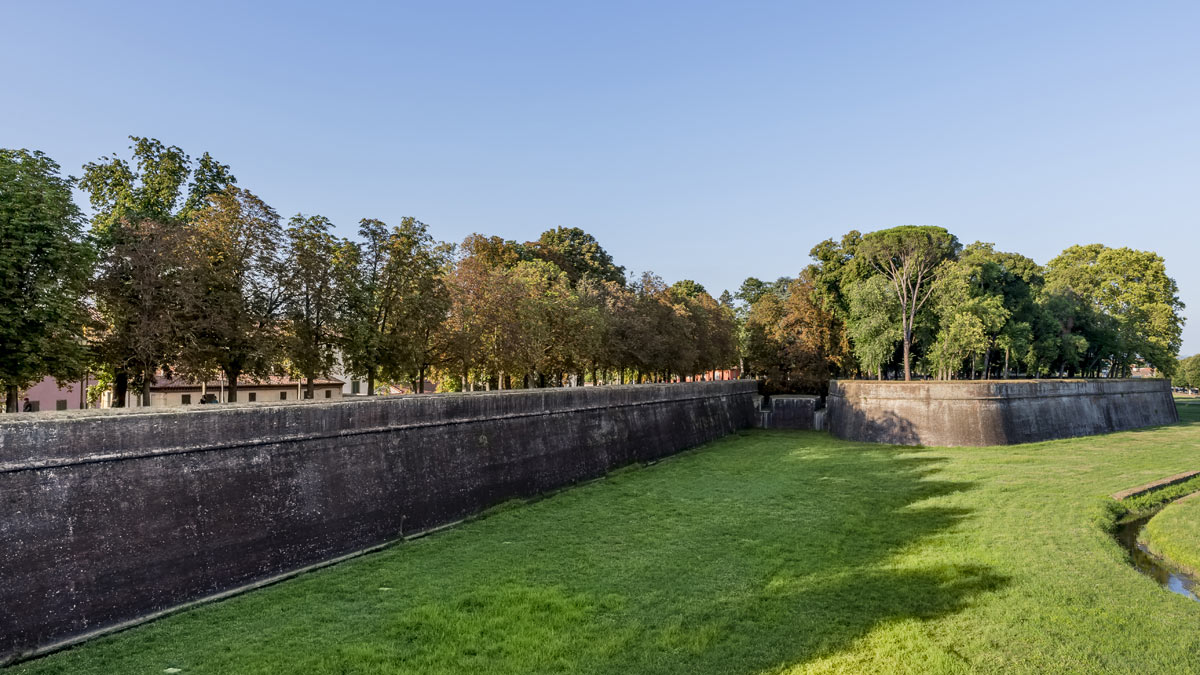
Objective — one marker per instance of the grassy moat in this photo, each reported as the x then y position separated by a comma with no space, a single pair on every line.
766,552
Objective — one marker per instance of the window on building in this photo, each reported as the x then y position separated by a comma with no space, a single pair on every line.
252,396
283,396
354,387
328,393
60,404
185,399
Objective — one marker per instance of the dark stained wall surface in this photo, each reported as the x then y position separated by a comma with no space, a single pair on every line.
106,517
788,412
998,412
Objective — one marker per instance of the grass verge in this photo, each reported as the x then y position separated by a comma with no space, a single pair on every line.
1143,504
1174,534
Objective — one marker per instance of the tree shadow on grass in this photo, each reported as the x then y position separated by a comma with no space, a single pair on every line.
841,574
760,553
756,553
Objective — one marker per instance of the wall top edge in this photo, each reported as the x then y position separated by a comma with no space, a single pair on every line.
649,390
960,389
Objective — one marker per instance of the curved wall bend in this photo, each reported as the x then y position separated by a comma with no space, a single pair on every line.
996,412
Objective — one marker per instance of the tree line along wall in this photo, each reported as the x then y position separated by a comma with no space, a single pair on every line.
111,516
998,412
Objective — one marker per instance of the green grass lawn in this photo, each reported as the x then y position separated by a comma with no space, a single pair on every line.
766,552
1174,533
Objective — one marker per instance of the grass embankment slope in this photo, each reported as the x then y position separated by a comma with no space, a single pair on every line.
770,552
1174,534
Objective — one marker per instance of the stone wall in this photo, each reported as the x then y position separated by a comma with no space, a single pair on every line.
108,517
783,411
997,412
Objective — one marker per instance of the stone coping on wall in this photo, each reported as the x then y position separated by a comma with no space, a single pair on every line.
40,440
985,389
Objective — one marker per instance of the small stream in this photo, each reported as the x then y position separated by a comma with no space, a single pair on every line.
1152,566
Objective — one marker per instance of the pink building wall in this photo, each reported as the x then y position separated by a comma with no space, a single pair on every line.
47,393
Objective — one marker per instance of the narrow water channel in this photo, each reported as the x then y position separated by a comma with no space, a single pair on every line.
1152,566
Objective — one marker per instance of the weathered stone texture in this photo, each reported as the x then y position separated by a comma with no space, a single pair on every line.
105,518
993,412
788,412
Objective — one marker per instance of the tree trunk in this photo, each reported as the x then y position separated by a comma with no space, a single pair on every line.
120,389
11,393
1006,363
146,390
232,374
421,380
309,389
371,381
987,364
907,348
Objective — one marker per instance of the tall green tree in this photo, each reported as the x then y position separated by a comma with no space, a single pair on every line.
1192,371
396,301
365,300
45,263
417,268
874,323
577,254
909,257
969,305
836,270
139,292
157,188
311,302
234,295
1135,302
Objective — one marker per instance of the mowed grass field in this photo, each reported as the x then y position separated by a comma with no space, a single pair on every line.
766,552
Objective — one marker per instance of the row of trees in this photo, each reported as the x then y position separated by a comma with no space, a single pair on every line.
183,272
913,299
1187,373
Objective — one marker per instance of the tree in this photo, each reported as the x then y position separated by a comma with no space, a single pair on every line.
1135,304
311,302
909,257
234,293
577,254
874,323
837,268
415,276
1187,372
686,288
792,341
966,288
139,290
149,187
44,268
962,336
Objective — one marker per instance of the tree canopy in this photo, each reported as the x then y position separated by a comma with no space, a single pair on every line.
184,272
44,267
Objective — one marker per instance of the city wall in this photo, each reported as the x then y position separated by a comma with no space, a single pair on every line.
997,412
110,517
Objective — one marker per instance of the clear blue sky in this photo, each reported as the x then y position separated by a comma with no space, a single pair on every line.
698,140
